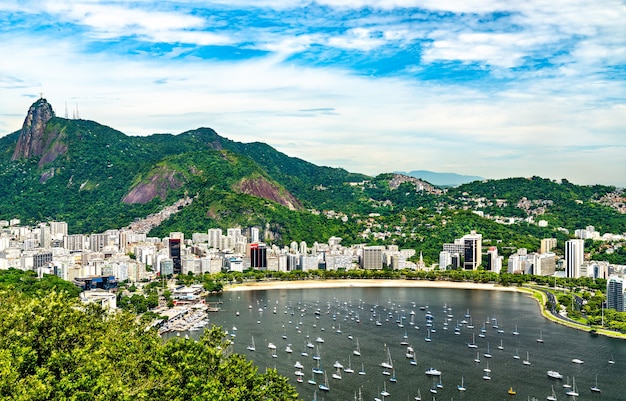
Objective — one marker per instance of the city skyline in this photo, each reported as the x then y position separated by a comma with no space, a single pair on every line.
482,88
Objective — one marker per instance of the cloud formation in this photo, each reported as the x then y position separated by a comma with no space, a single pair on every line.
481,87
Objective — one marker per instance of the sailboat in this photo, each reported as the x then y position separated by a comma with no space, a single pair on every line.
540,339
428,339
418,397
487,370
393,377
357,351
461,387
251,347
337,374
324,386
516,355
552,397
566,384
477,359
573,392
312,379
501,346
527,360
385,393
488,353
611,361
473,343
516,333
511,391
349,368
362,371
595,387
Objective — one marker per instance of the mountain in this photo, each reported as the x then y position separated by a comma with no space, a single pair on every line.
443,179
97,178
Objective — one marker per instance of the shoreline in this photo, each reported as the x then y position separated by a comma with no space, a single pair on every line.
459,285
346,283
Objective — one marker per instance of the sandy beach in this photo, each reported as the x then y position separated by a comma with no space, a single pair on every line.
275,285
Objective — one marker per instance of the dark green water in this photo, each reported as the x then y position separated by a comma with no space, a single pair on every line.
339,310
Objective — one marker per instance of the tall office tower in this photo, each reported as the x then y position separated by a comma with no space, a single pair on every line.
174,245
574,257
615,293
472,250
254,234
547,244
258,256
373,257
215,238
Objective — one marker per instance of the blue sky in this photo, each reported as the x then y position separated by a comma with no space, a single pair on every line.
480,87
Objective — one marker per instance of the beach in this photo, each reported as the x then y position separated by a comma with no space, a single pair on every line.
276,285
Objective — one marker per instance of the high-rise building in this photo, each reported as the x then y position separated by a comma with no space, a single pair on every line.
254,234
373,257
472,250
574,257
174,245
258,256
215,238
547,244
494,262
615,293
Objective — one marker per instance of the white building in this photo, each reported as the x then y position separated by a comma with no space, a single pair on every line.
574,257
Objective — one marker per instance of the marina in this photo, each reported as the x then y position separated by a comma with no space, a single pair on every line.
399,360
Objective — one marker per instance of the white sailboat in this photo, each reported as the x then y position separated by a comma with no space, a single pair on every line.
477,359
418,397
385,393
362,371
473,343
527,360
251,347
488,353
428,339
516,333
501,346
573,392
595,387
324,386
516,355
461,387
349,368
357,351
540,339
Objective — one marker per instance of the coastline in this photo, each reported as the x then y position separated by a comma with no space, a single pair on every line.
343,283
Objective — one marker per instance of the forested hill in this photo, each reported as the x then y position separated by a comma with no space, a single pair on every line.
97,178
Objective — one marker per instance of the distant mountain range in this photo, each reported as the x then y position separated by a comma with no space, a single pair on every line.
442,179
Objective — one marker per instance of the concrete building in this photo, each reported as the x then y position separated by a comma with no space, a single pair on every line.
472,251
372,257
547,244
574,257
615,293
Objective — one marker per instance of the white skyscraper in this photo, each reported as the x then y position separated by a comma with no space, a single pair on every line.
574,257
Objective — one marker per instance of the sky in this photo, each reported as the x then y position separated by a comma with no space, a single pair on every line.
480,87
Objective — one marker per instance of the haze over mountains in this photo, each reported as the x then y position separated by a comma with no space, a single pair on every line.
442,179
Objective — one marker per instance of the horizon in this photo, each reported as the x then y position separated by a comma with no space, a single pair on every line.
483,88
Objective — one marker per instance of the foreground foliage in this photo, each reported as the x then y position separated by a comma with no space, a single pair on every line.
52,348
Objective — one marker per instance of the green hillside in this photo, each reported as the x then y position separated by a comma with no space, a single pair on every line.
97,178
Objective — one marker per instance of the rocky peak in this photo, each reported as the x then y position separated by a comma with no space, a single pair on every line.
34,141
